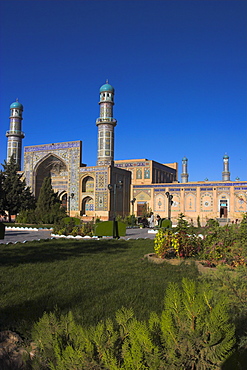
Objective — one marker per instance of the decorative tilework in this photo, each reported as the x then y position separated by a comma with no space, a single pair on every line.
138,173
240,202
159,203
146,173
207,202
190,202
101,180
49,147
183,185
132,164
101,199
92,169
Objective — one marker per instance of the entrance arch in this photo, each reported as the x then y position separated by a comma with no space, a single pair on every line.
64,199
54,167
87,206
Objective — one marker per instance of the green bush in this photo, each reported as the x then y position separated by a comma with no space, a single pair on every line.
168,243
27,217
129,220
73,226
225,245
193,332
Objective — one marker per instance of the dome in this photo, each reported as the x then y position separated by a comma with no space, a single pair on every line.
107,87
16,104
184,159
226,156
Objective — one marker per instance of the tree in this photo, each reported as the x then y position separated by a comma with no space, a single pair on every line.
49,208
15,195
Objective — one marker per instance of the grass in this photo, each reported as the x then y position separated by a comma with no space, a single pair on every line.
92,278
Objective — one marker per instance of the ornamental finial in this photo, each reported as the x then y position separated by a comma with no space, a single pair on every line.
107,81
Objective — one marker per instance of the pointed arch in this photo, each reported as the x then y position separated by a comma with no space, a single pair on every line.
50,166
63,196
87,206
88,184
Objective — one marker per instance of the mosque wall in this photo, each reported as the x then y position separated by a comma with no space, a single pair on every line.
60,161
206,200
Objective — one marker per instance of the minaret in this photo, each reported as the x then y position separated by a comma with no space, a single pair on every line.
184,174
15,135
225,173
106,124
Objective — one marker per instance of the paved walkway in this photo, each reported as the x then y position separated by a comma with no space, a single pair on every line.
13,236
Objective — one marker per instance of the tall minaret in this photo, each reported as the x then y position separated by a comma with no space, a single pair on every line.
106,124
15,135
225,173
184,174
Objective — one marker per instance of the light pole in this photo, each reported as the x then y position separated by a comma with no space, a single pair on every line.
169,197
133,215
113,188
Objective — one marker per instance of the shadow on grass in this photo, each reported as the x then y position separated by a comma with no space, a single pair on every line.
21,317
55,250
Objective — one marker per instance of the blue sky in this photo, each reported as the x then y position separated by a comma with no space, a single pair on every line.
179,69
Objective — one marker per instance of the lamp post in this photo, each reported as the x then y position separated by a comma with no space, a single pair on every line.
133,215
114,188
169,197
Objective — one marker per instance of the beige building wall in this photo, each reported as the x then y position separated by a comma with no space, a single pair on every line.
203,199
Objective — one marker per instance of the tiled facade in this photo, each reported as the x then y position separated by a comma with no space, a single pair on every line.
144,183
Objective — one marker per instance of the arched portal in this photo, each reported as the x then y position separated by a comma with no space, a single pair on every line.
88,185
54,167
87,206
64,199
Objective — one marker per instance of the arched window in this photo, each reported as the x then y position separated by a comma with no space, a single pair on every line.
88,185
146,173
139,173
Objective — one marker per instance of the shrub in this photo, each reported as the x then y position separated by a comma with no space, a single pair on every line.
168,243
225,245
193,332
27,217
73,226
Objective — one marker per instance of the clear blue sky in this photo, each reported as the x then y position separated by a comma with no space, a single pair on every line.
179,69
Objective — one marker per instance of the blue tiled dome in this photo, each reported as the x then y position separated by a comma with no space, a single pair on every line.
184,159
226,156
107,87
16,104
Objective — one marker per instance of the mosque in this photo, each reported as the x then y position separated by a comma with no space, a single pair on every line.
121,187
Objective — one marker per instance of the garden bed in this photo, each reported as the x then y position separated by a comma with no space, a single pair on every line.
152,257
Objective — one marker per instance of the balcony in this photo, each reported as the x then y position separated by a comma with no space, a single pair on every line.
106,120
15,133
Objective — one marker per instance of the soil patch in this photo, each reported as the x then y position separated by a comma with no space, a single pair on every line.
152,257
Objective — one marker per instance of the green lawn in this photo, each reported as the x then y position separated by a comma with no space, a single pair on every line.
92,278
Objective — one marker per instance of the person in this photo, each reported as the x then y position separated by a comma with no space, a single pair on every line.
144,222
159,220
151,221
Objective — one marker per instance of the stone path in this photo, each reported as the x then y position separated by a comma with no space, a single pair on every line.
15,236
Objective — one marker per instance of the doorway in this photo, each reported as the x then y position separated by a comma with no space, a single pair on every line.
223,209
141,207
